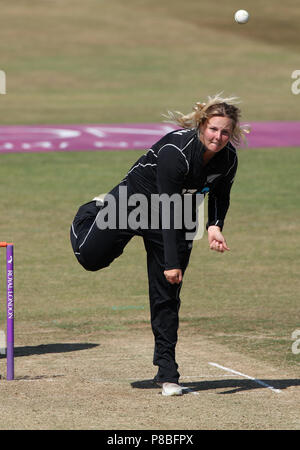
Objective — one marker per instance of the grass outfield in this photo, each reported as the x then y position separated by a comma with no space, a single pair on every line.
246,299
110,62
69,61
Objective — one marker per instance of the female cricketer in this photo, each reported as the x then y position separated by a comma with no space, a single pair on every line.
199,157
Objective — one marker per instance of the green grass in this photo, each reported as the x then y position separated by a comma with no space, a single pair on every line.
252,291
246,299
72,62
97,61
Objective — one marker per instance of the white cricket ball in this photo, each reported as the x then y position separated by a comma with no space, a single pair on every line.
241,16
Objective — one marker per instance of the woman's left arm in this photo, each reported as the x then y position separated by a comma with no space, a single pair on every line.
218,204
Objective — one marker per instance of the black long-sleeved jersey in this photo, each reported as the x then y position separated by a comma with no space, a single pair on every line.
174,164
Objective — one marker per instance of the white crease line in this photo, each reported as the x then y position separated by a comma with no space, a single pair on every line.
256,380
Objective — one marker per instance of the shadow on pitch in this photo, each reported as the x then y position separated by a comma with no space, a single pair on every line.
52,348
231,385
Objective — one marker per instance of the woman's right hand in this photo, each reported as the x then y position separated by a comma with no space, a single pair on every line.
173,276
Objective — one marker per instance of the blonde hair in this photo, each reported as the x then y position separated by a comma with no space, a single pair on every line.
215,106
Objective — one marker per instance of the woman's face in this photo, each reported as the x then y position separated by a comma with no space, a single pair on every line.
216,132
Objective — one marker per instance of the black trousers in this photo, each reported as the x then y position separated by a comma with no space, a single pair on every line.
96,248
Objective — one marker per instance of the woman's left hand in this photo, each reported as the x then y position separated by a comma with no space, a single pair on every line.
173,276
216,239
